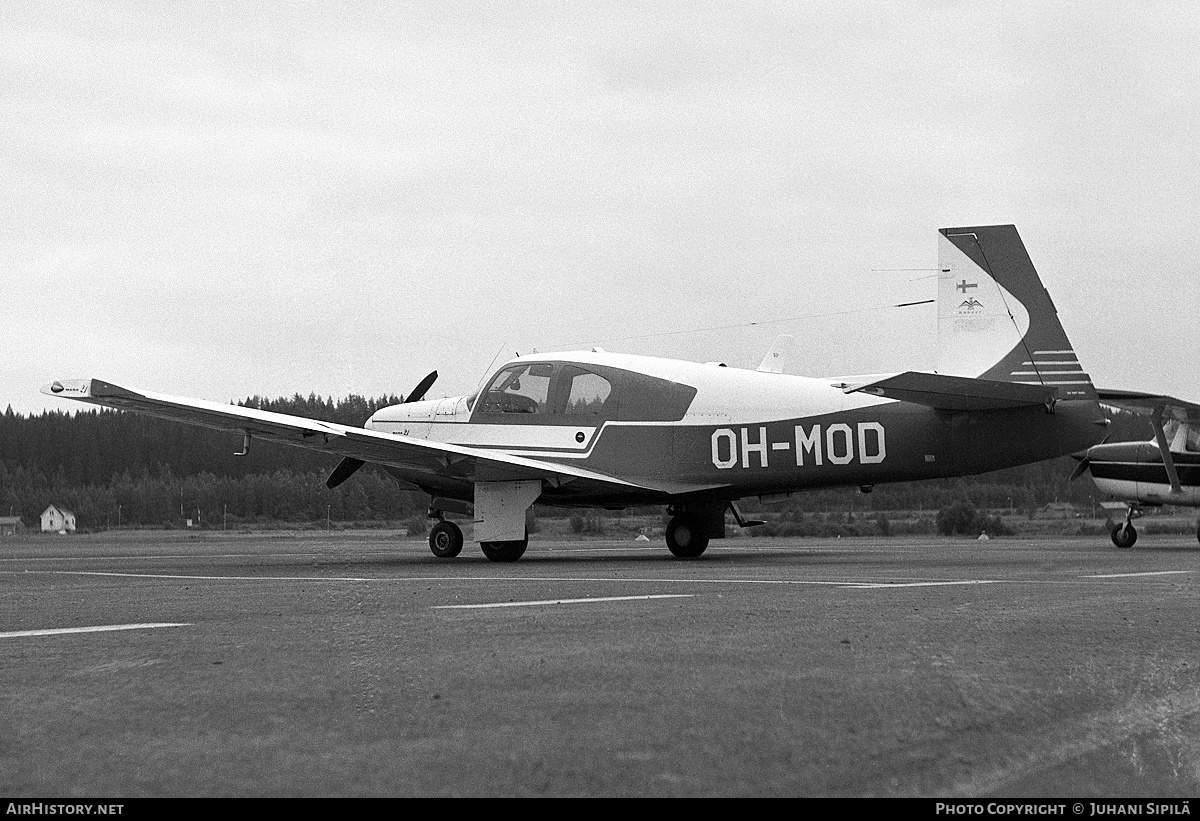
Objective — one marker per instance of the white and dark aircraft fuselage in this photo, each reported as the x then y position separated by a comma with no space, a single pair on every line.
709,432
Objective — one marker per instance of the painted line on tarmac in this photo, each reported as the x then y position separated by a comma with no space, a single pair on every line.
169,556
1131,575
561,601
877,585
102,628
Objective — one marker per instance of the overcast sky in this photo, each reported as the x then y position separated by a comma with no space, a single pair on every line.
227,199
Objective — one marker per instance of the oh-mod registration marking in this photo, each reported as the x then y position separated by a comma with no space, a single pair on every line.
839,444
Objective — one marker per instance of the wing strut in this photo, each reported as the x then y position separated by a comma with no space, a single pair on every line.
1160,436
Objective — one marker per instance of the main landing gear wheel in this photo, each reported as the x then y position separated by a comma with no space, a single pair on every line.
446,540
505,551
1198,530
683,540
1124,535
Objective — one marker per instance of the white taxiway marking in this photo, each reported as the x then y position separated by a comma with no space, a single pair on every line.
1150,573
561,601
874,585
97,629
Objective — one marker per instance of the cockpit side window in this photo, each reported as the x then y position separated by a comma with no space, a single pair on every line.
519,389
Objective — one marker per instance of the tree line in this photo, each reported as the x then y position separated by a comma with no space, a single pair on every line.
113,468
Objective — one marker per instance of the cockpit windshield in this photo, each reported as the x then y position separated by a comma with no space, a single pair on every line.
519,389
1183,437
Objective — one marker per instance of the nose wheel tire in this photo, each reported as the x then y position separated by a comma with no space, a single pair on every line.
1124,535
446,540
505,551
683,540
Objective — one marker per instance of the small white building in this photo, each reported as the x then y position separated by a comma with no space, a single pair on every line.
58,520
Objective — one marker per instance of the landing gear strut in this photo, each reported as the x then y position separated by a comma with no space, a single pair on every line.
1124,534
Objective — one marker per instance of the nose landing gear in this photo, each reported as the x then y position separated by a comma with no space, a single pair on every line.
446,539
1124,534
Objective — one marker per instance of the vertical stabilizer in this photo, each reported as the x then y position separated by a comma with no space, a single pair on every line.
995,319
774,360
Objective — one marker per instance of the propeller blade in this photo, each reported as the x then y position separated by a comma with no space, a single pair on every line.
343,471
1085,458
418,393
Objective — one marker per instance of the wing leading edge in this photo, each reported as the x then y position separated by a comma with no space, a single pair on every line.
412,455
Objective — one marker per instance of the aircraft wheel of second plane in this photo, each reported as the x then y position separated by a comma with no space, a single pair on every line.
1124,535
505,551
682,538
446,540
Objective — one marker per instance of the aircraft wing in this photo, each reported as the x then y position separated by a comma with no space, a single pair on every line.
1150,404
955,392
412,455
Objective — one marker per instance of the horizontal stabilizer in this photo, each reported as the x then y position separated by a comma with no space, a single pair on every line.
956,392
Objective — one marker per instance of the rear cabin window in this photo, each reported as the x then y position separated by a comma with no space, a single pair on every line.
585,393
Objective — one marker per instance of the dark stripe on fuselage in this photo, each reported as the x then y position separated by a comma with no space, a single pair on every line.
1149,472
891,442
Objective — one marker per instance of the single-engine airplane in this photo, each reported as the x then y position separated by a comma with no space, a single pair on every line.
599,429
1162,471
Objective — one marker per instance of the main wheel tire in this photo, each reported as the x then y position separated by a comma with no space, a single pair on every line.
683,540
505,551
1198,530
1124,535
446,540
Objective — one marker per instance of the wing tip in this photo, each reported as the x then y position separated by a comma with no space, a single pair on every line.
68,388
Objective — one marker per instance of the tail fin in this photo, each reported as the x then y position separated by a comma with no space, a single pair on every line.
995,318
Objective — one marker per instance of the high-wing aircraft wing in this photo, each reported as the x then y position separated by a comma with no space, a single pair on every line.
412,455
1150,403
